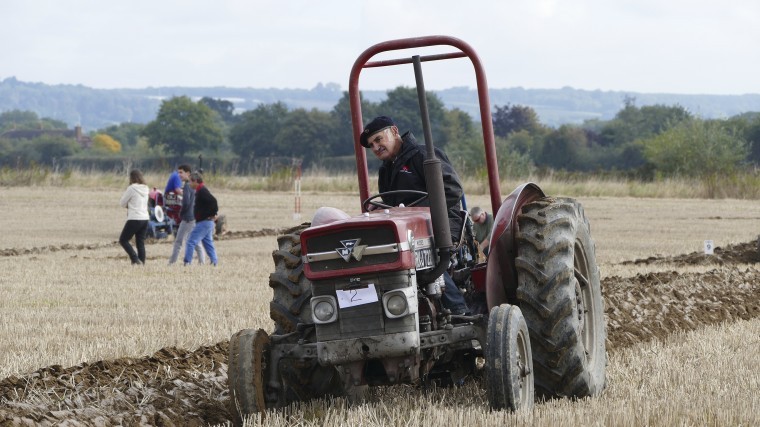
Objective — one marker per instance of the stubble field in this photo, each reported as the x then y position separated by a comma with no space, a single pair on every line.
87,338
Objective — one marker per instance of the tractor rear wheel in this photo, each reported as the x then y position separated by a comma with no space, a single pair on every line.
247,374
509,365
560,296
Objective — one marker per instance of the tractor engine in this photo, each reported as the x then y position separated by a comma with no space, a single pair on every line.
366,303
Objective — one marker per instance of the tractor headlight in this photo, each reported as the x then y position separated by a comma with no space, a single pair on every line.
397,305
400,302
323,309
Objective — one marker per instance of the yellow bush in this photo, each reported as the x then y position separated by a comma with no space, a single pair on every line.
105,142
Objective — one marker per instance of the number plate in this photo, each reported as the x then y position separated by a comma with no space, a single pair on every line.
358,296
425,258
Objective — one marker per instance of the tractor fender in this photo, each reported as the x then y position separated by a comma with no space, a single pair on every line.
501,275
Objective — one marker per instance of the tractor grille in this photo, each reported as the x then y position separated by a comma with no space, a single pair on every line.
367,319
376,236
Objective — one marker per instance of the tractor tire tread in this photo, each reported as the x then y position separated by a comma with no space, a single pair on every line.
549,231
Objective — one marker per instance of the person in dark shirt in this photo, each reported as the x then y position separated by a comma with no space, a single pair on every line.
402,169
186,216
205,212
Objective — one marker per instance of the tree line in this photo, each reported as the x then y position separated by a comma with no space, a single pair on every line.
644,142
98,108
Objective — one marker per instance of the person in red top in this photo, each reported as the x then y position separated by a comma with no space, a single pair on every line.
205,212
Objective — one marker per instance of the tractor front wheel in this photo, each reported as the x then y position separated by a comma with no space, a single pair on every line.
300,380
247,373
509,364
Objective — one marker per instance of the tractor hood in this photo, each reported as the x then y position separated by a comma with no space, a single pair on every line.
379,241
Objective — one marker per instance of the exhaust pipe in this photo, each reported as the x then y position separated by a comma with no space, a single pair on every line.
434,181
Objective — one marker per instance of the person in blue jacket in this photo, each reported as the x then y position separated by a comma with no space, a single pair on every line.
174,183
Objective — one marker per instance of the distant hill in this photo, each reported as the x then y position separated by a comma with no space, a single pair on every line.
97,108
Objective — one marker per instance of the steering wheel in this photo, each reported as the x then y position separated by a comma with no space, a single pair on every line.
422,196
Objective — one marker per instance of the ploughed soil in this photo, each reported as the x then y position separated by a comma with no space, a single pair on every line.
180,387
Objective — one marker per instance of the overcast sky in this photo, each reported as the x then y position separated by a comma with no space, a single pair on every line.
672,46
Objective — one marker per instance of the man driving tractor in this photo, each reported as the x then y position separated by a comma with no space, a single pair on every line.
402,169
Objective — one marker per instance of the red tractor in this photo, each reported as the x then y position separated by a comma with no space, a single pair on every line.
357,299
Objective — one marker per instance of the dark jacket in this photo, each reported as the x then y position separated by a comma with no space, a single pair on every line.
188,201
406,173
205,204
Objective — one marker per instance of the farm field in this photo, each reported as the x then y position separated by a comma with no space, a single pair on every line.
86,337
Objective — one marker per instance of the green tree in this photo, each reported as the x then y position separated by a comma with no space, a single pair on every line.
343,140
748,126
465,147
183,126
512,163
6,150
224,108
525,142
46,149
402,105
306,134
752,136
696,149
126,133
564,148
254,132
633,123
458,125
514,118
17,119
50,149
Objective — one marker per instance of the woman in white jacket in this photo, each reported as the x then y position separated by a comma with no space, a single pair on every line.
135,199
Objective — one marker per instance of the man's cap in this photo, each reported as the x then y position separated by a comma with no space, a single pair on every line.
377,124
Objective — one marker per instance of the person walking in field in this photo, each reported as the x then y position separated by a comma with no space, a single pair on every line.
205,212
135,200
187,218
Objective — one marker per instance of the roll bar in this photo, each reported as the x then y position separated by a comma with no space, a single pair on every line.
465,50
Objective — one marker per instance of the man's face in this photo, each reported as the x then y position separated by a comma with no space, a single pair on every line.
193,184
385,144
184,176
481,218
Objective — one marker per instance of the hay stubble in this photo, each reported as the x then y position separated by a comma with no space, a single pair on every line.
70,297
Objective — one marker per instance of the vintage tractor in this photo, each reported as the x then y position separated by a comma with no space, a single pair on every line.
357,299
162,223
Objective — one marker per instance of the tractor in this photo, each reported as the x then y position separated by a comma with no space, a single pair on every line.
356,299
